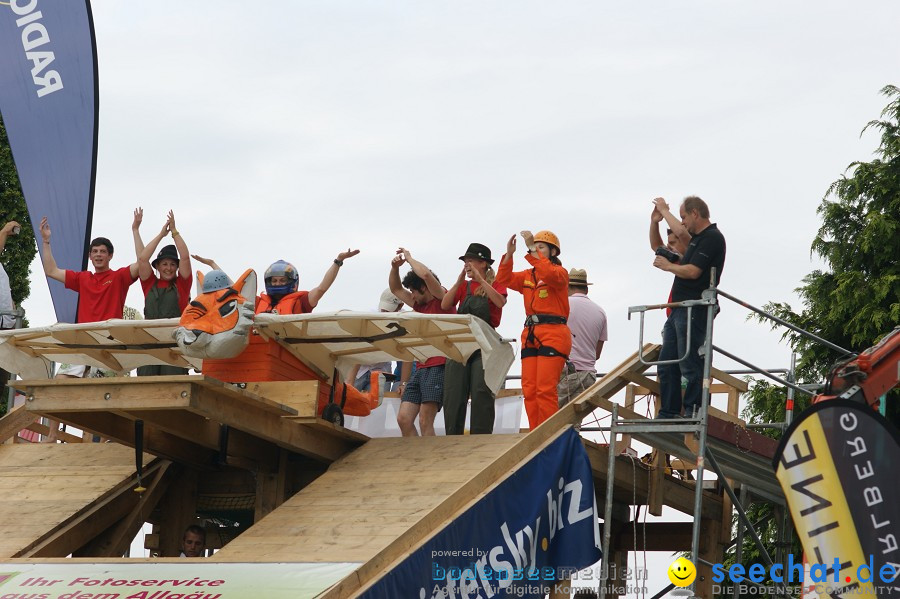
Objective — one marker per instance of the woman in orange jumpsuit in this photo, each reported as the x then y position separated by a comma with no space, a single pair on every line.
546,340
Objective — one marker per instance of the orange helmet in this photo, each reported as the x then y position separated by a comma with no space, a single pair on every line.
548,237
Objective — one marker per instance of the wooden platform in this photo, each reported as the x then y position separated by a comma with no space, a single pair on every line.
184,416
48,489
369,499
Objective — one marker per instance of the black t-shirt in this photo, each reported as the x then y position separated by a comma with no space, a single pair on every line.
706,250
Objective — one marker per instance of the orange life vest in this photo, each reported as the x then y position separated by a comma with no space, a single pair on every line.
288,304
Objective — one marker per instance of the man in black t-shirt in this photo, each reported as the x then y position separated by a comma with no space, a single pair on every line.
692,274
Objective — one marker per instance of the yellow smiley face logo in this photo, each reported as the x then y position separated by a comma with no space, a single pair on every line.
682,572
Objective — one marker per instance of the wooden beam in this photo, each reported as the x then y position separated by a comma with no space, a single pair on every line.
275,429
647,384
178,509
243,448
661,536
730,380
14,421
114,542
657,478
73,395
299,395
156,442
634,479
90,521
714,388
629,404
270,488
44,430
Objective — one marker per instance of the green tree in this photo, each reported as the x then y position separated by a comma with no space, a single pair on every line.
855,301
20,250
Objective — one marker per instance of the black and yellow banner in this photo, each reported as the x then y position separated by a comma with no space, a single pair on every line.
838,465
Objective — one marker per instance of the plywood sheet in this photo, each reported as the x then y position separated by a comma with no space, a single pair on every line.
367,499
43,485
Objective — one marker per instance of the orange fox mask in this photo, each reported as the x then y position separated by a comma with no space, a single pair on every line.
216,323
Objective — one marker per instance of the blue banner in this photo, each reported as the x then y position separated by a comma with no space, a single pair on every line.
49,102
535,527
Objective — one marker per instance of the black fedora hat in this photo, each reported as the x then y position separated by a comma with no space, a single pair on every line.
169,251
477,250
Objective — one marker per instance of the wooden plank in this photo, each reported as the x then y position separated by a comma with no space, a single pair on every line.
15,421
91,520
156,442
74,395
299,395
114,542
44,430
674,493
732,418
629,404
714,388
745,439
283,432
657,478
178,509
647,384
732,381
201,431
661,536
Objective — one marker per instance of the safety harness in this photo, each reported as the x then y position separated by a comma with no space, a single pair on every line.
532,321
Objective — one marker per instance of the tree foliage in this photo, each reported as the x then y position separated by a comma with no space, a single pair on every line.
20,249
854,302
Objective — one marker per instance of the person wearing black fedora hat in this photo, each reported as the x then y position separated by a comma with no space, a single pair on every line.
477,293
167,294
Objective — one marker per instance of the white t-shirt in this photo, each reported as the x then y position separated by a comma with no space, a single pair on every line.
587,321
6,301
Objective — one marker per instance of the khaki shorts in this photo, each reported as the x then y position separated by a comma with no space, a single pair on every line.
572,383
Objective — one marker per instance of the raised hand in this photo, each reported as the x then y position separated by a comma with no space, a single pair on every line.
528,238
511,245
45,230
138,218
348,254
207,261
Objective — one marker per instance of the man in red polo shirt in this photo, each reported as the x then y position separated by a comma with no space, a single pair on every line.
101,294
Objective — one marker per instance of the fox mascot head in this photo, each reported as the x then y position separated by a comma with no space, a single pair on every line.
216,324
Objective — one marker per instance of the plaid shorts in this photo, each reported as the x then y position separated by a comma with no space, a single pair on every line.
426,385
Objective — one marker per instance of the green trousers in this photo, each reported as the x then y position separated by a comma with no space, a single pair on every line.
461,381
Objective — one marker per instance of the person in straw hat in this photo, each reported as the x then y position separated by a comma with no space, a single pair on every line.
587,322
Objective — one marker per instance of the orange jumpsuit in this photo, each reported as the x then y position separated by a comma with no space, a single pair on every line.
545,347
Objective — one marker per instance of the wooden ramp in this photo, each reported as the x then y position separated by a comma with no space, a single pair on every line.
387,490
51,492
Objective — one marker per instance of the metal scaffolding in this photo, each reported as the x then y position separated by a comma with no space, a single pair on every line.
754,475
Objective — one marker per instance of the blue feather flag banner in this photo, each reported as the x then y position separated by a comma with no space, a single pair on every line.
49,103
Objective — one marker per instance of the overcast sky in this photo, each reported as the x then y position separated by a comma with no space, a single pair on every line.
296,129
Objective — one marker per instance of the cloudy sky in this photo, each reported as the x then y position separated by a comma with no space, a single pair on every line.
297,129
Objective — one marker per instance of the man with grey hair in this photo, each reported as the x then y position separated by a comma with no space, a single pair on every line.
587,322
705,251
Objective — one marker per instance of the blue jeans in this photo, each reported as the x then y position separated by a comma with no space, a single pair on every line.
691,368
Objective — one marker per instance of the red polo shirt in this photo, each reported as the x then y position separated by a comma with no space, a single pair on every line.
101,296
